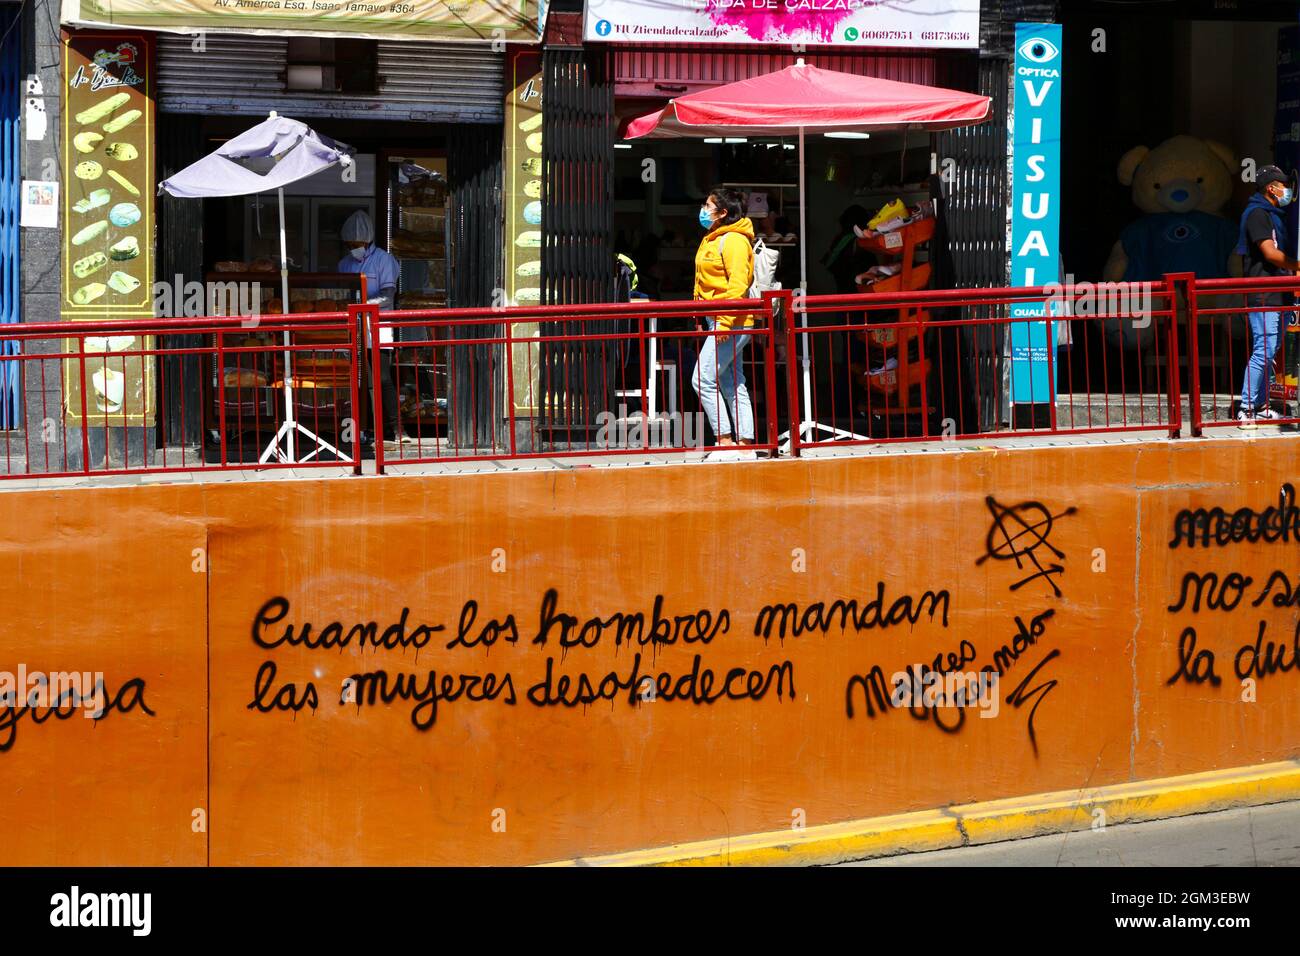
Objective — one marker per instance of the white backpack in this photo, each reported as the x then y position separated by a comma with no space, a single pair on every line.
765,262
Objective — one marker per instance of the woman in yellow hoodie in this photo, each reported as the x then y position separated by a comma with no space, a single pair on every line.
724,269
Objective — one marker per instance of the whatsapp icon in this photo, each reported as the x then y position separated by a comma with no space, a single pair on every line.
851,33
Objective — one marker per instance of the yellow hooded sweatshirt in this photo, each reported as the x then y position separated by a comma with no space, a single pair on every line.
726,274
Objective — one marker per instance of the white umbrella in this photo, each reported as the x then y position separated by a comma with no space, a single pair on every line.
273,154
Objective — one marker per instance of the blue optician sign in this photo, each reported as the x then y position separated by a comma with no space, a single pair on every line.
1036,204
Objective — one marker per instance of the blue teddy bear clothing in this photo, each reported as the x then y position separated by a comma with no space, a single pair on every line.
1178,242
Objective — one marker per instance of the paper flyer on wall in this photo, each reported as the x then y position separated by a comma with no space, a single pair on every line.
40,205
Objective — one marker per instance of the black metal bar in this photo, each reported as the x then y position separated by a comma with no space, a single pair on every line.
474,178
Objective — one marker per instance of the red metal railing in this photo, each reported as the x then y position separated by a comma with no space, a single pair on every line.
1221,340
920,366
612,379
138,396
128,396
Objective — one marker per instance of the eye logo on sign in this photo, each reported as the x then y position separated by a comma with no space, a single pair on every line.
1182,232
1039,50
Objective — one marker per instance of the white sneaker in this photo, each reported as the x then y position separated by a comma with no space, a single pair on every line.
731,454
1246,419
1268,414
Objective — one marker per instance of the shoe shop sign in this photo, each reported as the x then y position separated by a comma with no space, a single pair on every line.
948,24
484,21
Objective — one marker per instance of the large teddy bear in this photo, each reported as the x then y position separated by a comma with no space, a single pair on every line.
1182,185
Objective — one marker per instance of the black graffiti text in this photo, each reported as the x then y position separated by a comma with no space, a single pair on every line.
877,695
1005,657
286,698
70,703
332,635
1023,694
1286,596
1195,667
1262,660
1017,533
488,635
1218,596
788,620
699,685
699,627
378,687
1203,527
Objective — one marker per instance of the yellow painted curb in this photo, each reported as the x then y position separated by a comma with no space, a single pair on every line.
978,823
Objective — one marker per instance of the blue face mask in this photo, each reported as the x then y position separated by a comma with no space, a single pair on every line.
706,221
1286,197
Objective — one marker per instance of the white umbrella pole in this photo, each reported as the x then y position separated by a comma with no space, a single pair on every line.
808,428
288,360
803,284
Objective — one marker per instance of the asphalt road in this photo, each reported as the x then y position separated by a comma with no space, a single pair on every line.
1255,836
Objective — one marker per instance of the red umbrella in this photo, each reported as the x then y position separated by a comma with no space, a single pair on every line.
800,98
809,98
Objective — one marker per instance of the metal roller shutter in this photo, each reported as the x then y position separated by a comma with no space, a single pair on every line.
424,82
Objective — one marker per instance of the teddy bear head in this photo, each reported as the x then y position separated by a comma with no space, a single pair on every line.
1181,174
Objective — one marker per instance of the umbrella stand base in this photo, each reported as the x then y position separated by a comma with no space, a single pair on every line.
808,429
273,449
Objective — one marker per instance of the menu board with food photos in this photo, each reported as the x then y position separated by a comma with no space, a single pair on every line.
523,212
108,192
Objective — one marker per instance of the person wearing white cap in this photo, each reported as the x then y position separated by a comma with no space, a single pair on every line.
380,270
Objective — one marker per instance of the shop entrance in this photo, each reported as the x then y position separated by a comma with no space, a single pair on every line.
1137,79
399,181
850,180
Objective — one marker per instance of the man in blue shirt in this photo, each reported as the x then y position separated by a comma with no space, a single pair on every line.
1264,244
381,271
380,268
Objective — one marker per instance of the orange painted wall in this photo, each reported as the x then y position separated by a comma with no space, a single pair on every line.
114,580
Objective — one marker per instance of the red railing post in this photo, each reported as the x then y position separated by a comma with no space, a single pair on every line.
1049,337
509,329
85,419
792,370
355,358
1193,352
370,315
1174,384
925,377
221,396
769,366
646,372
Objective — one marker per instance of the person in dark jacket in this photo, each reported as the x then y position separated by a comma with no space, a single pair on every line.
1263,242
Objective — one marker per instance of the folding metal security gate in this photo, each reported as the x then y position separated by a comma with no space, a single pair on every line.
11,60
577,380
474,179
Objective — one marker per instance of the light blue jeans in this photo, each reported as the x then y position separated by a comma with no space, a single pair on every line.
719,380
1265,328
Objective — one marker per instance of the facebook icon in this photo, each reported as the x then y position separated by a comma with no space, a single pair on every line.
602,28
